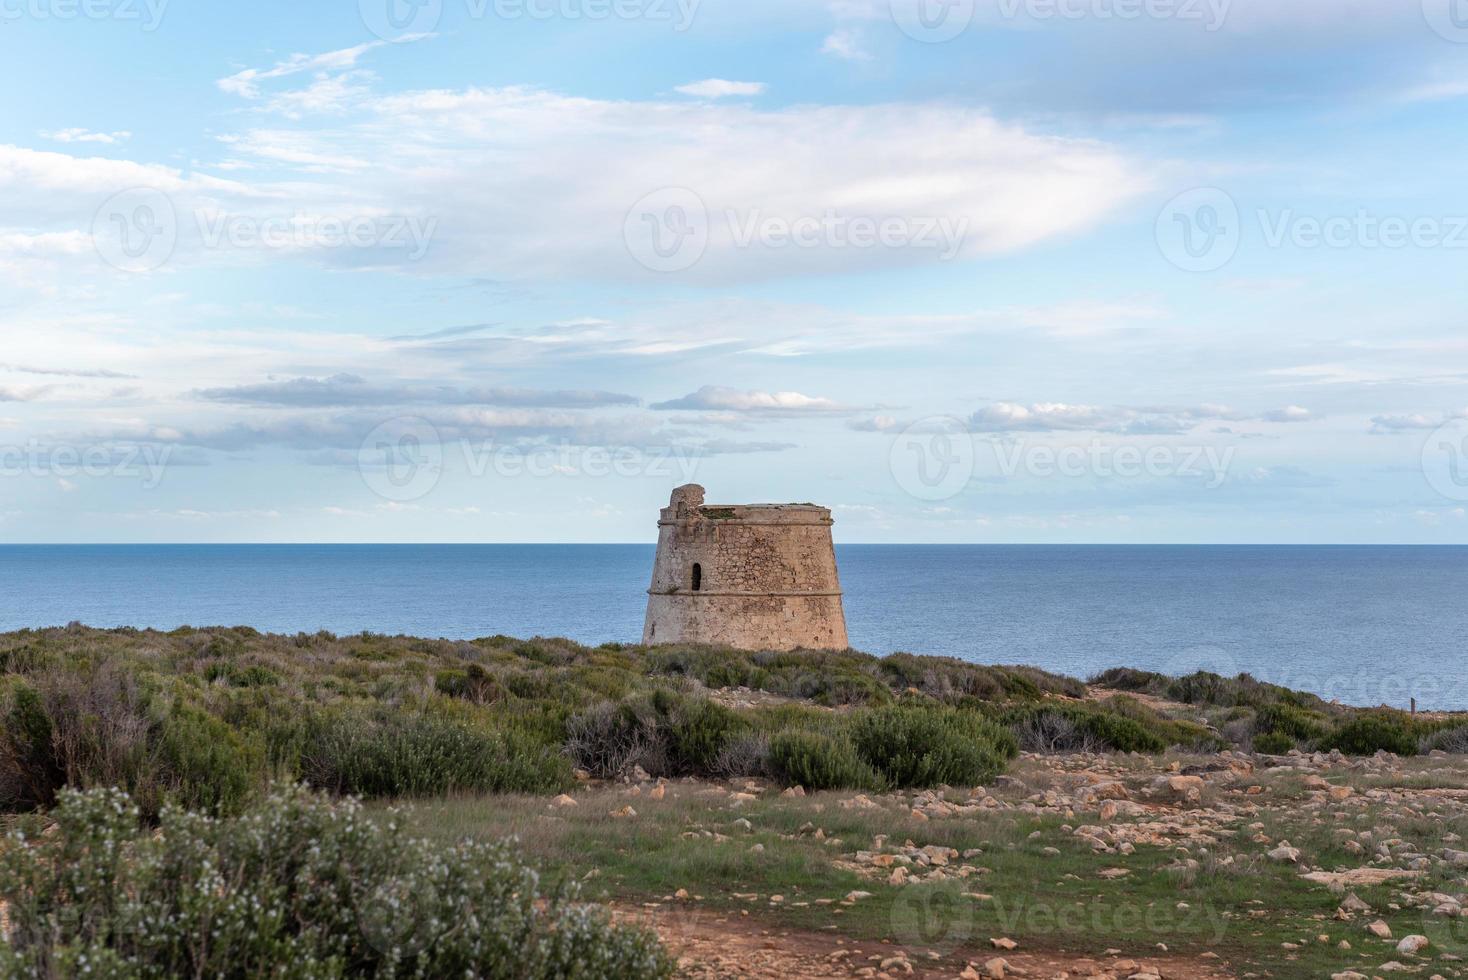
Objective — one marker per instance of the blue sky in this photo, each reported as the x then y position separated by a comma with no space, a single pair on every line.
509,270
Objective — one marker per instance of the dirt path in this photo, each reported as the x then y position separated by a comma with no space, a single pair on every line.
716,946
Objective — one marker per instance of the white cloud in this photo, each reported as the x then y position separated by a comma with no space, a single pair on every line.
28,394
719,399
86,136
1437,91
246,84
1290,413
501,173
1159,420
1413,421
845,43
506,177
719,88
876,423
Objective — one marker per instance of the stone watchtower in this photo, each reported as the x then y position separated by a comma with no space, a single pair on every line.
752,576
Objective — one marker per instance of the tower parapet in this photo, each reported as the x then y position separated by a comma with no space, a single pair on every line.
752,576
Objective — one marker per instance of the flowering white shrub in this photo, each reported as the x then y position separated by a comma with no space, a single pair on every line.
298,886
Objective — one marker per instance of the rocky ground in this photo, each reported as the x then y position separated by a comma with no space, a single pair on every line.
1228,865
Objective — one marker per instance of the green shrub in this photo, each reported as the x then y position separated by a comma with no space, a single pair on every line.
1079,727
817,762
920,746
1367,734
234,675
1453,740
29,772
1273,743
1130,679
696,731
666,734
1297,724
202,763
609,740
391,755
473,683
296,887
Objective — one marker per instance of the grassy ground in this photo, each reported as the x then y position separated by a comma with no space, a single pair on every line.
1044,885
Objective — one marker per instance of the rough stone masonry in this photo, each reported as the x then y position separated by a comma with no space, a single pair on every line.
751,576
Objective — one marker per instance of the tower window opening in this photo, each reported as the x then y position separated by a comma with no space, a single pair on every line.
697,577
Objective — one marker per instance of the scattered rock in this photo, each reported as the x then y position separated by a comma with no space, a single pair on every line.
1412,945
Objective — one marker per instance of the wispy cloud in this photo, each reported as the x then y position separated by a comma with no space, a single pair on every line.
86,136
65,372
719,88
719,399
349,389
1001,417
1413,421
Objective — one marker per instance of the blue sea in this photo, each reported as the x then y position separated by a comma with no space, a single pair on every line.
1366,625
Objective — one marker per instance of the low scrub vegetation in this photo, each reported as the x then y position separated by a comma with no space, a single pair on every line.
1272,719
916,743
295,886
207,718
1119,724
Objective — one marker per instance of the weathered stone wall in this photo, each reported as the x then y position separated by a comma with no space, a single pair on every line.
766,576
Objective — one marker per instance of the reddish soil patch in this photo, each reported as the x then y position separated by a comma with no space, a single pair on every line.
718,946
